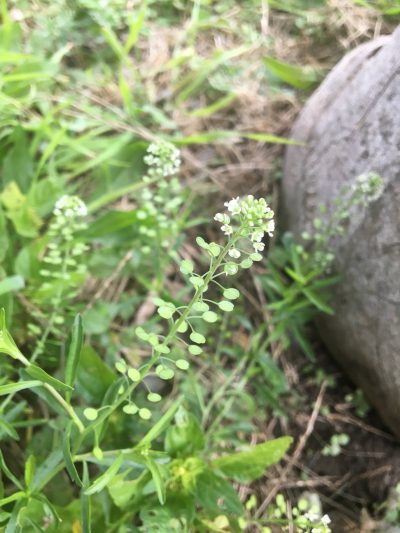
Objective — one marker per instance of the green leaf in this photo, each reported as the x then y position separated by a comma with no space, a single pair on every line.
90,413
112,222
214,249
209,316
226,306
196,281
317,301
231,269
8,472
29,471
38,373
7,344
197,337
145,413
156,474
103,480
74,353
166,312
69,463
4,241
47,470
250,465
186,267
123,492
202,243
134,375
185,437
161,425
12,283
154,397
93,376
294,75
182,364
231,294
17,164
201,307
8,429
195,350
24,218
12,388
246,263
216,495
85,502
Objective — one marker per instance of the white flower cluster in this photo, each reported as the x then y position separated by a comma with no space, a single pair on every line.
370,186
163,158
70,207
253,215
324,522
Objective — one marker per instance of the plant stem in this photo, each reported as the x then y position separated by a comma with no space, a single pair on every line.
70,410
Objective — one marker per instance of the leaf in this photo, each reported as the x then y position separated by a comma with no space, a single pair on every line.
156,474
47,470
317,301
216,495
29,471
12,388
85,502
4,241
74,353
38,373
93,376
17,164
269,138
294,75
219,104
124,491
185,438
8,429
8,473
111,222
24,218
69,463
7,344
250,465
12,283
103,480
161,425
136,22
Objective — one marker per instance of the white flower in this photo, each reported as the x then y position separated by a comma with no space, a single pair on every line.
270,227
325,520
233,205
227,229
234,253
312,516
222,217
163,158
70,206
257,236
258,246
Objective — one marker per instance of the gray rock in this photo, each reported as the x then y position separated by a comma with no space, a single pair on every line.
351,126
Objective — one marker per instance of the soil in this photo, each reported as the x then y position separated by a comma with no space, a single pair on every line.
354,485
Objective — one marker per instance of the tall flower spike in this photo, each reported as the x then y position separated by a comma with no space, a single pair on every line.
252,217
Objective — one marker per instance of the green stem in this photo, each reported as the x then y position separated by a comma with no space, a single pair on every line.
57,396
70,410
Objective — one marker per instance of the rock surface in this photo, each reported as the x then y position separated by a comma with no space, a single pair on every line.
351,126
